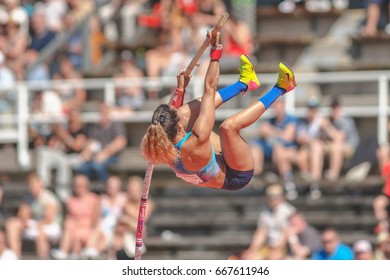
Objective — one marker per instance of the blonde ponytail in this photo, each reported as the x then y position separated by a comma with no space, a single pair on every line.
157,146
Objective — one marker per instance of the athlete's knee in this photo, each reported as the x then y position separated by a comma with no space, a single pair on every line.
229,124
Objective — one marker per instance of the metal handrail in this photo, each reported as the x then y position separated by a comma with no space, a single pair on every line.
22,118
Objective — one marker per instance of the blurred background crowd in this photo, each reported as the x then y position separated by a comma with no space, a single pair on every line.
75,205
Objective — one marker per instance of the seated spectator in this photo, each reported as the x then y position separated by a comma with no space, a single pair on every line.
7,81
72,97
311,147
39,72
73,48
111,206
269,240
363,250
132,97
303,239
53,10
82,216
342,133
126,229
40,34
5,252
383,248
63,155
333,248
172,52
17,13
377,17
106,139
14,46
120,19
39,218
277,143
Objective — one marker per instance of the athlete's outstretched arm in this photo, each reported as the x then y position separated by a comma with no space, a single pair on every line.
205,122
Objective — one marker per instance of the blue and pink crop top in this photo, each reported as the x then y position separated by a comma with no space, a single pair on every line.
204,175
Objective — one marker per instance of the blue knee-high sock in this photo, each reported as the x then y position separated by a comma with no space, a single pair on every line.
229,92
271,96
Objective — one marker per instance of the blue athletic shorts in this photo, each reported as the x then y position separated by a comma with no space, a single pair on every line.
235,180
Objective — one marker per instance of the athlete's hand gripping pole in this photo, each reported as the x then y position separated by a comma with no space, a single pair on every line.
204,46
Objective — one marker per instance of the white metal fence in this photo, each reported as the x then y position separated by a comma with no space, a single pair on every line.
22,117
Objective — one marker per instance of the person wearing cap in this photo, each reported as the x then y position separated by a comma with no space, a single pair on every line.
132,97
332,247
363,250
14,46
310,146
269,240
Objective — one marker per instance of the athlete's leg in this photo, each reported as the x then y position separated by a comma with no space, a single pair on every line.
236,151
246,82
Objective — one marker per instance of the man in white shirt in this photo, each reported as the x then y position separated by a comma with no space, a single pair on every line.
269,241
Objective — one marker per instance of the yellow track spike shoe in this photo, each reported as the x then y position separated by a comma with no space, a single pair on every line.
248,74
286,78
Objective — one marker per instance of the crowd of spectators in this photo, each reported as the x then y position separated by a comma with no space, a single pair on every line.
87,225
284,141
283,233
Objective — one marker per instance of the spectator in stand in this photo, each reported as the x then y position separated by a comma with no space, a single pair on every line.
171,51
237,40
336,137
383,248
111,206
72,97
73,48
120,19
80,8
63,155
7,81
82,216
5,252
17,14
363,250
14,47
40,35
39,218
39,72
132,97
277,143
333,248
377,17
106,140
54,11
310,156
303,239
343,138
126,228
269,240
208,13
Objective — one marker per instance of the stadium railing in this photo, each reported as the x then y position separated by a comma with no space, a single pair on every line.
21,118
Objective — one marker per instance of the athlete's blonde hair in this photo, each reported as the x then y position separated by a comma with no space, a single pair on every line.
157,146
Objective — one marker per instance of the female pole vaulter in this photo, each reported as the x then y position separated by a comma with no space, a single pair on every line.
183,138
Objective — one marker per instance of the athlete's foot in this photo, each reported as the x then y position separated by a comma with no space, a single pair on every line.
248,74
286,78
